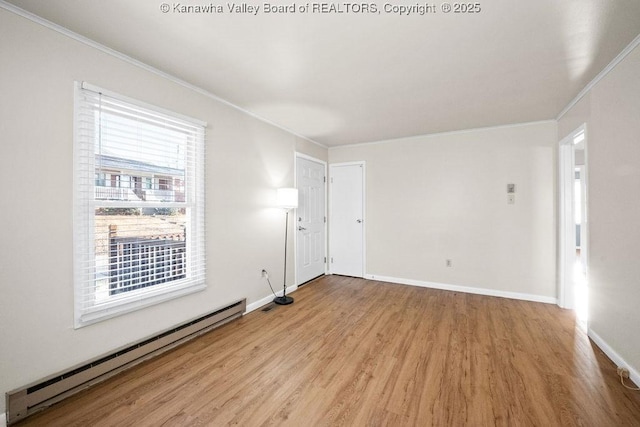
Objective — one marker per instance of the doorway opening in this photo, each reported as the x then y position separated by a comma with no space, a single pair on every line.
574,291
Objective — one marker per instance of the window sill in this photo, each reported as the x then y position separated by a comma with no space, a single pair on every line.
131,303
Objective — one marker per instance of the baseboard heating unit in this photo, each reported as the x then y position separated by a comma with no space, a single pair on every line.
39,395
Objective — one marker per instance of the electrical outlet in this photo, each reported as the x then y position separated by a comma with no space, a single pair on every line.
449,263
623,372
264,273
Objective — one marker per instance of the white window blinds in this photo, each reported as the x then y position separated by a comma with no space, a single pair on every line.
138,206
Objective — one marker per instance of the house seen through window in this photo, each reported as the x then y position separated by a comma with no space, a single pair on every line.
139,205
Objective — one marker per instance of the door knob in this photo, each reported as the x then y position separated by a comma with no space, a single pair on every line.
301,228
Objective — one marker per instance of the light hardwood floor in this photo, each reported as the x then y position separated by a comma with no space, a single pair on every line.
362,353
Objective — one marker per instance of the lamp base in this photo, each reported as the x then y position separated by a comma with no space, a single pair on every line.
286,300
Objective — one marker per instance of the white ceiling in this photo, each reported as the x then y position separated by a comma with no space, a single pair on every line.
349,78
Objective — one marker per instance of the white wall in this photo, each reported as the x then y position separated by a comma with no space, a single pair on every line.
611,110
429,199
246,160
439,197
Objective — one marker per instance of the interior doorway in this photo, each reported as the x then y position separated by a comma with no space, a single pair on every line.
574,241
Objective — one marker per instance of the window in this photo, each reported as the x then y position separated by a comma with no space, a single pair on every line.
138,239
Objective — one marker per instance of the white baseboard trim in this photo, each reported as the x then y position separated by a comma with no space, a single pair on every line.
634,375
266,300
465,289
257,304
3,419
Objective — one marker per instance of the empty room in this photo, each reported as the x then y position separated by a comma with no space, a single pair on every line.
319,213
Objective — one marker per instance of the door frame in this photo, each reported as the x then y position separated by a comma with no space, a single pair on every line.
364,211
566,215
297,155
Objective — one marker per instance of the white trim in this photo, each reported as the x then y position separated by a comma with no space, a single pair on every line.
266,300
465,289
634,375
354,163
107,311
585,239
296,156
82,39
364,218
566,216
453,132
602,74
91,43
3,419
257,304
308,157
88,309
566,224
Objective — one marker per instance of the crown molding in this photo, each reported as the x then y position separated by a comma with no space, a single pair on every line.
602,74
121,56
75,36
453,132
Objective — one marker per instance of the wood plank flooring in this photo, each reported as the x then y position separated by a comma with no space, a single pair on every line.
353,352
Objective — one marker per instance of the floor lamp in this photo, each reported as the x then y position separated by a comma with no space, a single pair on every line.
287,198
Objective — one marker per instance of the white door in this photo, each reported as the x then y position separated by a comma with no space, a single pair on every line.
346,221
310,220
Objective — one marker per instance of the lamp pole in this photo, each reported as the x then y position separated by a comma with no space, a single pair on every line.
287,198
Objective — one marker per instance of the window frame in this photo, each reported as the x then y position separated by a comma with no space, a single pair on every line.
85,204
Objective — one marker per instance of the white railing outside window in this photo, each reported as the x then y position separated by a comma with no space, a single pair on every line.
135,246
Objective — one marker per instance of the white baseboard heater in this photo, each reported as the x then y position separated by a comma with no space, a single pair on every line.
41,394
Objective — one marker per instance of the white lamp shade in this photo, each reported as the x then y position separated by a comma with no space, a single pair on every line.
287,198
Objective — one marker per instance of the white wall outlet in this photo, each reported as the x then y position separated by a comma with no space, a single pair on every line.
449,263
511,199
